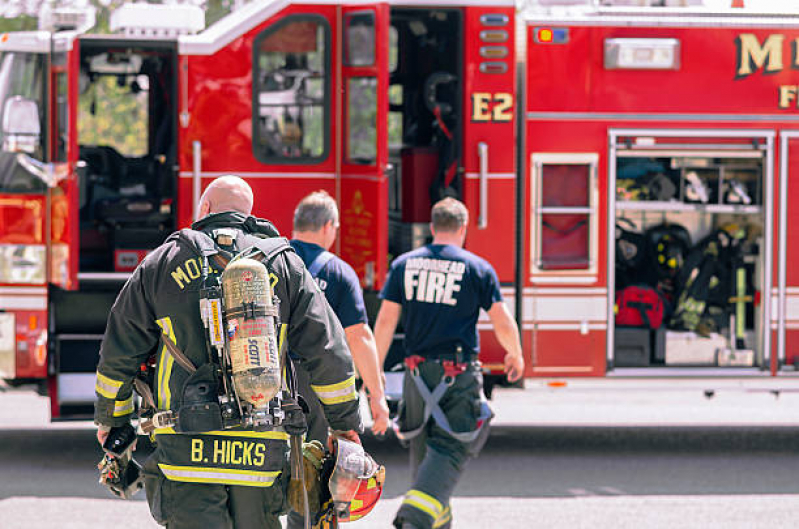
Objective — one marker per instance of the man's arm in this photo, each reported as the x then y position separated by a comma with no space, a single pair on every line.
507,332
316,336
386,324
131,334
364,354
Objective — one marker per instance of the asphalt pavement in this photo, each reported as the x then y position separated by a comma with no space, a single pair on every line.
556,458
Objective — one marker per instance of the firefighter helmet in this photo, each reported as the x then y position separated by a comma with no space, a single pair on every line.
356,482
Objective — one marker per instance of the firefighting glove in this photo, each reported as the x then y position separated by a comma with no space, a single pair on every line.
312,455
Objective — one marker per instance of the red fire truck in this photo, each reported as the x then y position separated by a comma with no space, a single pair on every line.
563,132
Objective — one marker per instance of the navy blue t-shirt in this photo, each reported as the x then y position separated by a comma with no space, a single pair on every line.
339,282
441,288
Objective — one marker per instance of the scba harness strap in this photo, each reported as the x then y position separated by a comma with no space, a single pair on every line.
432,399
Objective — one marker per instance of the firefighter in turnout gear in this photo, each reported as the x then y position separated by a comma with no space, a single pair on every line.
216,477
439,290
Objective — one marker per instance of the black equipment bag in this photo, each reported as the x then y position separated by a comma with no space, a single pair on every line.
631,253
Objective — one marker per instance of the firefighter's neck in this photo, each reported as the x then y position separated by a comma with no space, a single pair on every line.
324,237
456,238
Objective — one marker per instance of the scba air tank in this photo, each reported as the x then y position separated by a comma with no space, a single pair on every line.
251,327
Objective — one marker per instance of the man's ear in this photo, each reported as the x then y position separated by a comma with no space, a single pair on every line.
205,208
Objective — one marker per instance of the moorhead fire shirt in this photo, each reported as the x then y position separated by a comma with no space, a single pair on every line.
441,288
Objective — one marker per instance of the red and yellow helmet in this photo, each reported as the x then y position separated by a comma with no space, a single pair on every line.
356,483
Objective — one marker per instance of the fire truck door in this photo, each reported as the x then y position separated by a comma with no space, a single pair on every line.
489,134
362,129
788,252
62,139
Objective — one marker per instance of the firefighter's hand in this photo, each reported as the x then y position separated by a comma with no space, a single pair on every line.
379,409
349,435
514,367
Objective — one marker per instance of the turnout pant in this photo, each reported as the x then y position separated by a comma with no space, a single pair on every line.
180,505
317,427
438,459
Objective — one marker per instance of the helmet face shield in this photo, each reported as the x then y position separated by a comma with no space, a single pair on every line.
356,482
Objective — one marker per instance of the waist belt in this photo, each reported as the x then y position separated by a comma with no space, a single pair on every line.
454,352
432,398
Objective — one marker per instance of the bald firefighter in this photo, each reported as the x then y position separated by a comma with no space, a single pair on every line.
205,472
439,290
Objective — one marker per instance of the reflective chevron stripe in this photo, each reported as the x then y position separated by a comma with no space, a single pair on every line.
123,407
336,393
107,387
424,502
226,476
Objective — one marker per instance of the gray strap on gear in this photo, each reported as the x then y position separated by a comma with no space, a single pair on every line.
432,409
317,264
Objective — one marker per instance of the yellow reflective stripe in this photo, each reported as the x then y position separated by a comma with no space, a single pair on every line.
123,407
445,517
336,393
165,366
424,502
228,476
282,337
107,387
276,436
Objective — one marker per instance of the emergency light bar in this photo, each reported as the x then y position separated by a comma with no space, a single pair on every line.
642,54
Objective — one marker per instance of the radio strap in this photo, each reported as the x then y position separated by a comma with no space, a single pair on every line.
178,355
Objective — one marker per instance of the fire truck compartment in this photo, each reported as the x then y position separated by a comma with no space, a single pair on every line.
689,219
425,118
127,137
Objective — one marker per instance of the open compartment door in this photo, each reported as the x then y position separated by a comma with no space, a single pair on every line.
363,128
62,140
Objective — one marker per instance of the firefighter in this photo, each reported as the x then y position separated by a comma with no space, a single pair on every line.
316,223
439,290
229,477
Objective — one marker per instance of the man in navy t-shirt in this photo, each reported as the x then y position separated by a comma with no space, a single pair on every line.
315,228
438,290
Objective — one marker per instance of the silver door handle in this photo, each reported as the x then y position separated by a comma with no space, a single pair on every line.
482,155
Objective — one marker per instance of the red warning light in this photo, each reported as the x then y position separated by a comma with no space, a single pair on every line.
544,35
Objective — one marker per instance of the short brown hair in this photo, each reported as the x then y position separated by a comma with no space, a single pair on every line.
449,215
314,211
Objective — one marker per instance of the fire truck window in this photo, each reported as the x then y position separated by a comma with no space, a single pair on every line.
362,120
395,93
290,83
393,49
360,49
114,114
564,216
62,118
564,242
564,185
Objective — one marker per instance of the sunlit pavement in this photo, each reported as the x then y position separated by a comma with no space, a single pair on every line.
552,462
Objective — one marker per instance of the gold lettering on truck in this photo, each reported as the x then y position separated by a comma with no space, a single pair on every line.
753,56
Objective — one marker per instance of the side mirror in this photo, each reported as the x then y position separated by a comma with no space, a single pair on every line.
21,126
